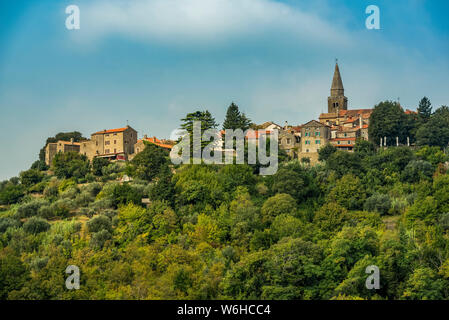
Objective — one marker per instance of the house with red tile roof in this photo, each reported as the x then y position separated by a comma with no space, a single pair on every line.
114,144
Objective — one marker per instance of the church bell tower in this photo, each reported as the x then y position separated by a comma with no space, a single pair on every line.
337,100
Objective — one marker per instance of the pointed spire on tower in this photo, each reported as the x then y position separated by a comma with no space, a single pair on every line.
337,84
337,100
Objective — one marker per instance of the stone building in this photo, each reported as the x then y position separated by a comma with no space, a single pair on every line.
61,146
290,140
314,135
140,145
114,144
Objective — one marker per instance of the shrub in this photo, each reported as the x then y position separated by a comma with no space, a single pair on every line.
6,223
46,212
279,204
11,194
147,164
121,194
36,225
30,177
98,239
380,203
51,190
417,170
70,164
98,164
99,223
92,189
38,263
61,208
29,209
66,184
83,199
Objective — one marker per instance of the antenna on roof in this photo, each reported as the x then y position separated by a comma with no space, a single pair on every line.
127,123
336,60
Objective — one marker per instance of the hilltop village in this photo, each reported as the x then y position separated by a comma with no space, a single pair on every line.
339,127
142,227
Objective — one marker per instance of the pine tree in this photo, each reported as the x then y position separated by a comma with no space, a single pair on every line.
207,122
424,109
235,120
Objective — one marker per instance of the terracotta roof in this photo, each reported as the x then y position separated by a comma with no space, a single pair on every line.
255,134
410,112
157,142
344,139
112,130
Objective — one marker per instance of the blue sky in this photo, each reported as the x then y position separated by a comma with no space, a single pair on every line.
153,61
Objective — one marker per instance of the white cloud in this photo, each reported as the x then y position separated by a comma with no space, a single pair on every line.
207,21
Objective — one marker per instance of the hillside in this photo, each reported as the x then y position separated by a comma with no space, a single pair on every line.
215,232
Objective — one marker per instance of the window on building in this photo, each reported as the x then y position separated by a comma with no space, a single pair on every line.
115,141
317,133
107,143
289,141
317,141
115,150
338,142
106,151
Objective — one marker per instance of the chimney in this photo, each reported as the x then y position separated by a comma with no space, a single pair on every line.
286,125
145,136
71,140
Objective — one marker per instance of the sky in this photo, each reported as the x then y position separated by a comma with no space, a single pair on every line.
150,62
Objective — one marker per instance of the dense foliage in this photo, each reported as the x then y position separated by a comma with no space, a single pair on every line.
219,232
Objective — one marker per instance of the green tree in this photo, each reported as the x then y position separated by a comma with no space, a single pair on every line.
70,164
36,225
207,122
424,284
30,177
325,152
149,163
164,188
98,164
424,110
279,204
11,194
13,273
388,120
435,132
236,120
